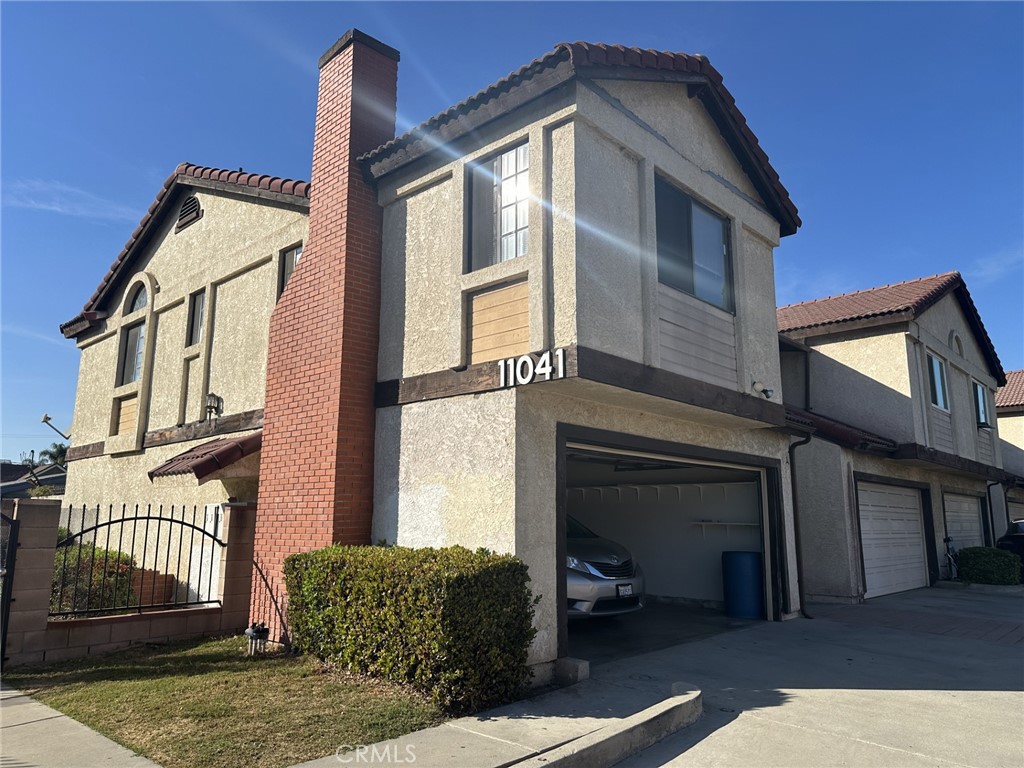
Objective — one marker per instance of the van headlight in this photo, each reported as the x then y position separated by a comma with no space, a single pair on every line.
575,564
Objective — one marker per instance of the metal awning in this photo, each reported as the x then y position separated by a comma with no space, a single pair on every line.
205,459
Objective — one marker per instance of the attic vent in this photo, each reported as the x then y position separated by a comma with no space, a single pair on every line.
190,213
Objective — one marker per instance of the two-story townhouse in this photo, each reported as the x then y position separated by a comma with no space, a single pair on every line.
576,318
897,385
1010,415
173,343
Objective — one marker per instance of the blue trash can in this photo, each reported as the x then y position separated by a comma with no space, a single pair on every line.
743,579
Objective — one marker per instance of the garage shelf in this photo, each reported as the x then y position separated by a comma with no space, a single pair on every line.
727,524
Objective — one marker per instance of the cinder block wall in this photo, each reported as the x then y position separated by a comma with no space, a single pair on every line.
316,469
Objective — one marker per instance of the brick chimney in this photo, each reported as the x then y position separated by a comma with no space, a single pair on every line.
316,470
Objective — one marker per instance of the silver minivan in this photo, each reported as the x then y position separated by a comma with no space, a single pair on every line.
603,579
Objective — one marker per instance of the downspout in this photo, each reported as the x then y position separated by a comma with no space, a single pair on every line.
991,515
796,525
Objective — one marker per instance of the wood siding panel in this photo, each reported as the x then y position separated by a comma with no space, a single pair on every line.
941,424
986,453
696,339
499,323
127,411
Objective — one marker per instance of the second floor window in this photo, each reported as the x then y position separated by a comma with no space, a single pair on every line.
937,382
981,405
289,261
133,345
500,208
196,305
693,246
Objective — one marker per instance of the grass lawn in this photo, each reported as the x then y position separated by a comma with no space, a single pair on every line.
205,703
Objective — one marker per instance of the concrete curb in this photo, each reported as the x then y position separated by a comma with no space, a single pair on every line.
1012,590
610,745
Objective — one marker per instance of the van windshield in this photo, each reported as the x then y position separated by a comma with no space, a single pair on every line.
574,529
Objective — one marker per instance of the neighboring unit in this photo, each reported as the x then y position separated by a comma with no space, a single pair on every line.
897,386
170,388
1010,415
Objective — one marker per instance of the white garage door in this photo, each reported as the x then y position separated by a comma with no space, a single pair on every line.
1015,510
892,538
963,521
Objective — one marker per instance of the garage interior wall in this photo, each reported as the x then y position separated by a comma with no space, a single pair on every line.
662,527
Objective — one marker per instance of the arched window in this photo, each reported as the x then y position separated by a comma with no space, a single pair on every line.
138,300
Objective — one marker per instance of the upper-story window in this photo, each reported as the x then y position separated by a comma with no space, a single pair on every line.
289,261
133,345
981,405
937,382
138,301
196,306
693,246
499,208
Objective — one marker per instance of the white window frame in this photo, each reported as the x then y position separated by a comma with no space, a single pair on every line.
934,391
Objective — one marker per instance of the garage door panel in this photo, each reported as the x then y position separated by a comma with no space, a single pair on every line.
892,539
963,521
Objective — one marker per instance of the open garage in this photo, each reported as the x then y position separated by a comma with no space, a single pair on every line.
666,520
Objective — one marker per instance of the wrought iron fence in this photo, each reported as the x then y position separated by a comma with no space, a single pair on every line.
134,559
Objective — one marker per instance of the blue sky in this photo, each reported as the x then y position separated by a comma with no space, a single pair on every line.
897,129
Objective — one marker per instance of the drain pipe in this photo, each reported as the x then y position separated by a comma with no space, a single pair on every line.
796,525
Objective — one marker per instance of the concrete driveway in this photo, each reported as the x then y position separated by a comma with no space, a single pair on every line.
932,677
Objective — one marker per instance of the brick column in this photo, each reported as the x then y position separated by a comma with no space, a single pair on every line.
316,469
33,577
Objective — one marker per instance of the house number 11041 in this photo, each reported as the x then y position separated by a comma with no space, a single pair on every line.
525,369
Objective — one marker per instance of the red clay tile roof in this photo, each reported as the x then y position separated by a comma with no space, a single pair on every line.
185,171
1012,393
209,457
591,59
898,302
911,297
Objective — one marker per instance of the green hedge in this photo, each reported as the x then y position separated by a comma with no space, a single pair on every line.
986,565
453,623
88,577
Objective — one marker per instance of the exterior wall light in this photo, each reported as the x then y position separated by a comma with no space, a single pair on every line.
214,405
762,389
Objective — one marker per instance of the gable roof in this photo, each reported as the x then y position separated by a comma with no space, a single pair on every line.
1011,394
186,174
895,303
597,60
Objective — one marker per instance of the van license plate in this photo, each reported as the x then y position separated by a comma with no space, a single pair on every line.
625,590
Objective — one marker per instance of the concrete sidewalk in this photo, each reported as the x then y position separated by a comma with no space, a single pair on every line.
32,734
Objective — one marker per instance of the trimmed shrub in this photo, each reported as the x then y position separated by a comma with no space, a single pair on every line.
88,577
453,623
987,565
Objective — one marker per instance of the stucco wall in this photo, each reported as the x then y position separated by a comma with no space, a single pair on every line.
828,534
233,253
934,331
445,473
1011,432
617,157
848,375
591,265
125,479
